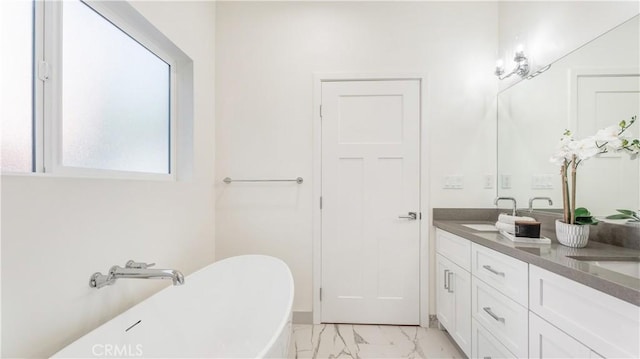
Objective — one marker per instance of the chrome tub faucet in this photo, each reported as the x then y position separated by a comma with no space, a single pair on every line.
135,270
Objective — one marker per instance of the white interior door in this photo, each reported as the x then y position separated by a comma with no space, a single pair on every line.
604,100
370,183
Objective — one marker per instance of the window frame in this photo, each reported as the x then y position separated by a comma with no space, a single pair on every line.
47,112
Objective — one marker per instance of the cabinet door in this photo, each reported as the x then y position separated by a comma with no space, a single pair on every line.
547,341
461,287
444,297
453,295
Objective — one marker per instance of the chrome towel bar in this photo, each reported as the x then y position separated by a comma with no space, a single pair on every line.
228,180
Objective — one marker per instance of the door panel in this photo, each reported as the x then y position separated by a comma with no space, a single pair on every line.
370,177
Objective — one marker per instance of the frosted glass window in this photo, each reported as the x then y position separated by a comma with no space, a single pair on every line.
115,97
16,112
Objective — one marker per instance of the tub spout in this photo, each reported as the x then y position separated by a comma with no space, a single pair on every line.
135,270
144,273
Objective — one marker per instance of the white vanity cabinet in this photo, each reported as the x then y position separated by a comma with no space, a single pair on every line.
453,290
496,306
600,322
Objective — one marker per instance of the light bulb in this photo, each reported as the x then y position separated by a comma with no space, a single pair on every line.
499,68
519,53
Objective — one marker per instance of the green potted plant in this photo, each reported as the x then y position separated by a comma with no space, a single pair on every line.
573,229
629,215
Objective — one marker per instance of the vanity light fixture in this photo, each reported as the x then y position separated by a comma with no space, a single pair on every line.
522,65
532,75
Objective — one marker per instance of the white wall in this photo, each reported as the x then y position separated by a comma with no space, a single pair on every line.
551,29
56,232
266,54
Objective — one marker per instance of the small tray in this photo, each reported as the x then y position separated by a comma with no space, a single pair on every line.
514,239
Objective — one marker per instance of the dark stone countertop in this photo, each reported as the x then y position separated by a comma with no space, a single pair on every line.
554,258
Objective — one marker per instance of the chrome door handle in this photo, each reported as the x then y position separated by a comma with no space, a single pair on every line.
412,216
493,315
450,289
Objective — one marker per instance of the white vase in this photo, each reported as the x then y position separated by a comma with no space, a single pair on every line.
572,235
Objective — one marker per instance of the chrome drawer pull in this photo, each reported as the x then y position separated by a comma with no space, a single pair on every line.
488,267
493,315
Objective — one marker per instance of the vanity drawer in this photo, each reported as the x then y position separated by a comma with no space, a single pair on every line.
607,325
501,316
547,341
506,274
454,248
485,345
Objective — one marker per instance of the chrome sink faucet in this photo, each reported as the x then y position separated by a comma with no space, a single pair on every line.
135,270
536,198
513,212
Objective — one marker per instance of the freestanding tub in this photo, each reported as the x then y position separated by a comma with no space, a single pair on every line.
239,307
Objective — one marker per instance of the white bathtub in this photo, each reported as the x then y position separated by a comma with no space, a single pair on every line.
239,307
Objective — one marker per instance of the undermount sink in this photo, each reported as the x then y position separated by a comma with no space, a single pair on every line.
482,227
625,265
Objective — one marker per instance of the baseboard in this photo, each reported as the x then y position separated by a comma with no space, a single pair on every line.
307,318
302,317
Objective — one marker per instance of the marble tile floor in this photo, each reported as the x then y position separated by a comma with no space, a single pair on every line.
328,341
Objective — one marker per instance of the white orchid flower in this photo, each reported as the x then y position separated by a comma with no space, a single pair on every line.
558,158
571,152
585,148
609,137
563,152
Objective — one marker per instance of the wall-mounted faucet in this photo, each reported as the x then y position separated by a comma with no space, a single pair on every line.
135,270
537,198
513,212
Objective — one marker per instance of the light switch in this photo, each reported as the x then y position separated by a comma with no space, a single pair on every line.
505,181
488,181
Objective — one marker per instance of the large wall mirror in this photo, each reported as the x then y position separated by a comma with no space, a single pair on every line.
593,87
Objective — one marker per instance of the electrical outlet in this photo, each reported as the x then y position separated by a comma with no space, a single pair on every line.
453,182
543,181
548,181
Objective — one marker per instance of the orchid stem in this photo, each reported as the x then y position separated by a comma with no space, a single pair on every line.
565,192
572,203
